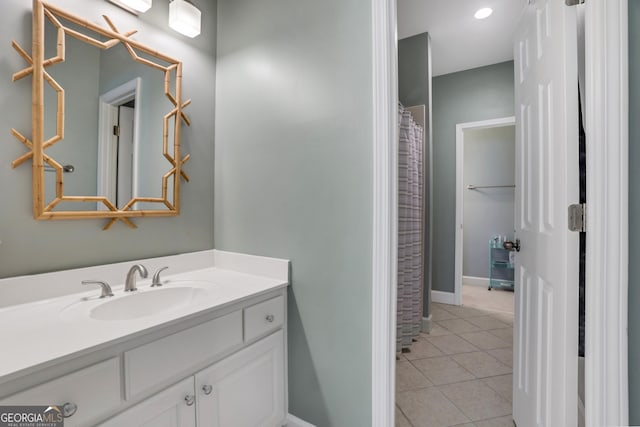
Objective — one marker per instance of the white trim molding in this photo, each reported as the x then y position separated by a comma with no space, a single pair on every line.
427,323
607,257
441,297
293,421
475,281
384,256
461,128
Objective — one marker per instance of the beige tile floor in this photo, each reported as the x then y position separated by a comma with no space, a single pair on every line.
460,374
494,300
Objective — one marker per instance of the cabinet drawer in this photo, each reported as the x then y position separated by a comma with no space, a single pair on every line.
263,317
152,364
94,390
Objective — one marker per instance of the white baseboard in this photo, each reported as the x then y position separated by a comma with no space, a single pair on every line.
426,324
293,421
443,297
475,281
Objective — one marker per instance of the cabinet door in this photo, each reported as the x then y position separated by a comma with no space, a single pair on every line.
245,389
173,407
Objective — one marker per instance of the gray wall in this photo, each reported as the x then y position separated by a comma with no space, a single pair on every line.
489,159
30,246
634,212
414,71
467,96
293,179
414,88
79,147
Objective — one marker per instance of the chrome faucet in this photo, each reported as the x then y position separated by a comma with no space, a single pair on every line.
130,283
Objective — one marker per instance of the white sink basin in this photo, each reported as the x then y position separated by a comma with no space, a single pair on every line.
148,302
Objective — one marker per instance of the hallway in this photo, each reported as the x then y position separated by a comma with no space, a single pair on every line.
460,374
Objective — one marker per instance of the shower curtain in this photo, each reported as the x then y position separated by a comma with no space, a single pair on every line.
410,229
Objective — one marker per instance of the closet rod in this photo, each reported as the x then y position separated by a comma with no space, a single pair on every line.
475,187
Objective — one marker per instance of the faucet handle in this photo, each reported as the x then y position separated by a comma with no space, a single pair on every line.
106,289
156,277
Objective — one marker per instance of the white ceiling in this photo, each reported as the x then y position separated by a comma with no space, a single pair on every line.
458,40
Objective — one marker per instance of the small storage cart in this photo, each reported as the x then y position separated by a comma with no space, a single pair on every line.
501,269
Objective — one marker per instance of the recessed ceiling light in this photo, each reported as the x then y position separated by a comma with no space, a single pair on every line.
483,13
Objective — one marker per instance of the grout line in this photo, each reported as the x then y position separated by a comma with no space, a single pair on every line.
453,403
405,415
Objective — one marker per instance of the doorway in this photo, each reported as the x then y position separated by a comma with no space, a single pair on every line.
606,391
118,141
485,197
125,148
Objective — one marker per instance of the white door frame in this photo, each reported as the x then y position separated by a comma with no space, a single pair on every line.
607,127
461,128
607,214
384,51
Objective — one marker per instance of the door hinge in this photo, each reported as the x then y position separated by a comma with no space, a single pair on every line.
573,2
577,217
116,130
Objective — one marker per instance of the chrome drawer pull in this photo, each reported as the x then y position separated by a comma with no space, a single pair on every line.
270,318
207,389
68,409
190,399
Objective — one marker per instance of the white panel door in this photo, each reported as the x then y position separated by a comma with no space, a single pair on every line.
172,407
245,389
546,291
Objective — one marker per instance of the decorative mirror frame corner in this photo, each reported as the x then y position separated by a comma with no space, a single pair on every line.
37,66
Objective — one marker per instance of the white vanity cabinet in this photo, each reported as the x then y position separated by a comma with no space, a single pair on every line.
226,368
207,348
244,389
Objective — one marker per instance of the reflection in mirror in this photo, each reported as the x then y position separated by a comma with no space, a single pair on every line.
113,126
109,107
122,179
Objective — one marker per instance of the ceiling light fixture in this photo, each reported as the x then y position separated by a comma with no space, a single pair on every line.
133,6
483,13
184,18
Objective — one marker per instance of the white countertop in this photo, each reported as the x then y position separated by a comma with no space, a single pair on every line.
39,334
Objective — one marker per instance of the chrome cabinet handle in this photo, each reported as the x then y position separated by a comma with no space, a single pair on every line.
270,318
68,409
190,399
207,389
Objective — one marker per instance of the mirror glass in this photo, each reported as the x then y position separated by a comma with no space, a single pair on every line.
113,124
108,112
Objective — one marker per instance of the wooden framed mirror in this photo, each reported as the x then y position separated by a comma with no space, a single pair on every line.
107,113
